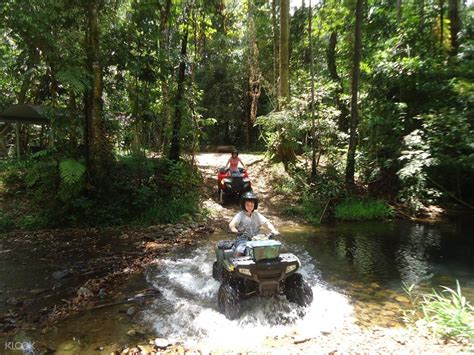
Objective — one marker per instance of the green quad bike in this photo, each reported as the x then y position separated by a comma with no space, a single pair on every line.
263,271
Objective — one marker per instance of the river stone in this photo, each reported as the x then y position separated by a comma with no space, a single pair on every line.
402,299
131,311
58,275
162,343
102,293
84,292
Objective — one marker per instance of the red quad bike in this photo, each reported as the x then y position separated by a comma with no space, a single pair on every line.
232,184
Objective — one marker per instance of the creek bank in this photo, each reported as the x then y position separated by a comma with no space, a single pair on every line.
50,275
348,340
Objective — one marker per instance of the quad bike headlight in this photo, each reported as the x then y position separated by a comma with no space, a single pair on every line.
290,268
245,272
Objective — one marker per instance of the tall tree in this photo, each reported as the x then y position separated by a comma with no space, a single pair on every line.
98,151
255,75
284,49
163,47
455,25
350,164
275,51
399,11
332,68
175,149
441,23
311,69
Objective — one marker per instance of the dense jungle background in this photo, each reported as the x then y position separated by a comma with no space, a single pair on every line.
360,101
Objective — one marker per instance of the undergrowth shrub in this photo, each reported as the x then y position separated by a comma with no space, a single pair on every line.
357,209
138,191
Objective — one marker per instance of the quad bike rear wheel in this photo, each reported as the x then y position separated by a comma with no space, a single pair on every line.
298,291
228,301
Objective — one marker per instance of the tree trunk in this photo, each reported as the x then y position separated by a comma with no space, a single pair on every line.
163,48
175,150
284,49
350,165
275,53
21,99
332,67
421,15
311,69
441,23
254,75
98,150
455,25
399,11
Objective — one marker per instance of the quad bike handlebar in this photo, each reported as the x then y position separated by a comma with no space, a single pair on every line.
244,235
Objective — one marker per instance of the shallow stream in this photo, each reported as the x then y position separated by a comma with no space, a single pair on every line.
356,272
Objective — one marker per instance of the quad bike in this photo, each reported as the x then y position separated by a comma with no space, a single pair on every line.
263,271
232,184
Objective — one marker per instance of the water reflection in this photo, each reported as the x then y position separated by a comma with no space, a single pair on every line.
414,254
390,252
362,251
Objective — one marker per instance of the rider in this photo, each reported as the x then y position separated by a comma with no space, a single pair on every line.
234,161
247,222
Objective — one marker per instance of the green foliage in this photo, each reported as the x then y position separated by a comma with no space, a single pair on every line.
77,79
71,171
7,222
446,313
355,209
413,175
139,191
314,198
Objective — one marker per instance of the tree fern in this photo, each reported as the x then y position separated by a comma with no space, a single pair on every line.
71,171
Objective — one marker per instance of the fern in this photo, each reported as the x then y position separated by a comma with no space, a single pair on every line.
71,171
77,79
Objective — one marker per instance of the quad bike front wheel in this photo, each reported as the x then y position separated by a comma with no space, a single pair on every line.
228,301
221,196
298,291
217,271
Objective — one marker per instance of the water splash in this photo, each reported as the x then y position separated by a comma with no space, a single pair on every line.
188,309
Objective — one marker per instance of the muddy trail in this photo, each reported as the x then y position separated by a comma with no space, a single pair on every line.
52,279
263,178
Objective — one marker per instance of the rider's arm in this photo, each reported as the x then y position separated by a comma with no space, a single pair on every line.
264,220
234,223
228,163
272,228
243,165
